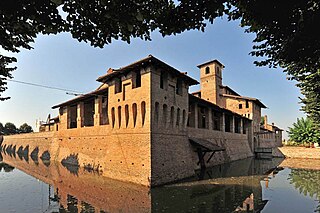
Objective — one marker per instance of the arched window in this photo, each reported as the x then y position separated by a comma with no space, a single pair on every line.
156,113
178,117
165,114
184,118
143,112
126,109
113,117
134,113
171,116
207,70
119,116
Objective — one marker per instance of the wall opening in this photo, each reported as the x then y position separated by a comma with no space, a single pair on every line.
237,125
240,106
184,118
119,116
118,85
191,116
244,126
104,110
207,70
216,120
88,113
156,113
165,114
178,117
163,80
227,120
179,85
134,114
171,116
247,104
143,112
113,117
125,88
136,79
202,117
126,109
72,117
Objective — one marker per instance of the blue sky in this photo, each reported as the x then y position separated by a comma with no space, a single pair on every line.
60,61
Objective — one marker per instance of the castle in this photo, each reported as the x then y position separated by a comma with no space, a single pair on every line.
142,125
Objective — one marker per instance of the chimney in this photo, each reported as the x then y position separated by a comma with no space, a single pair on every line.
265,121
110,70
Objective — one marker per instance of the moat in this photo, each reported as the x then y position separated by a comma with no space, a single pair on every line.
249,185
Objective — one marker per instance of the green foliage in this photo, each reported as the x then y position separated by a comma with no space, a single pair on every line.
307,183
286,36
304,131
286,31
25,128
96,22
10,129
1,129
262,121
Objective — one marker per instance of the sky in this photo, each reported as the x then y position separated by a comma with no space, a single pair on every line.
63,62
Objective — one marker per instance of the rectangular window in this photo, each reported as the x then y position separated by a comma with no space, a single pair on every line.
118,85
104,110
247,104
216,120
202,117
163,80
237,124
227,123
72,117
240,106
136,79
88,111
179,86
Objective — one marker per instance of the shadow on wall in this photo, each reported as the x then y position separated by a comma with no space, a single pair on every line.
71,163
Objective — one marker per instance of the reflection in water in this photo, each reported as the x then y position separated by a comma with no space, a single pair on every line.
307,183
6,167
233,187
248,185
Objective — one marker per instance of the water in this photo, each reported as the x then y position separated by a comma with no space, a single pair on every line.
248,185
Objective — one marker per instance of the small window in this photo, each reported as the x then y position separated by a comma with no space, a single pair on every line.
218,70
207,70
118,85
136,79
179,87
240,106
247,104
163,80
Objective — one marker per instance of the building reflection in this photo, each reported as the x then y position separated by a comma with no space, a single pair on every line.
234,187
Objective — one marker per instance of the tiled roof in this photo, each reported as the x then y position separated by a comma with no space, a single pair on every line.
148,60
257,101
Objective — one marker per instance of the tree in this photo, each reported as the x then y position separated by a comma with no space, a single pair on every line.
25,128
10,129
304,131
1,129
286,36
286,32
97,22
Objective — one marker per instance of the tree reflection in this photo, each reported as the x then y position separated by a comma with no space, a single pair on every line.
5,167
306,181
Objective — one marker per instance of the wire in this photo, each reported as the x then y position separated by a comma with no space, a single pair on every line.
44,86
